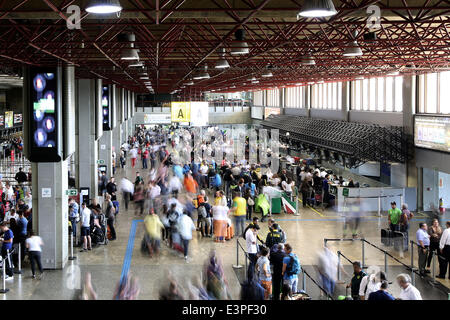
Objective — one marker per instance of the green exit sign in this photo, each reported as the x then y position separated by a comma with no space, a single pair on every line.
345,192
100,161
72,192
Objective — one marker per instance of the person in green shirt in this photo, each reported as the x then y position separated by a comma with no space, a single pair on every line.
394,215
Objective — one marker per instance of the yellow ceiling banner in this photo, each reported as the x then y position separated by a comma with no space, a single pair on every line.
181,111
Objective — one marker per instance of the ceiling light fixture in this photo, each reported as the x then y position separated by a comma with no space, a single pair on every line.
267,73
317,8
129,53
222,63
103,6
353,49
308,60
239,47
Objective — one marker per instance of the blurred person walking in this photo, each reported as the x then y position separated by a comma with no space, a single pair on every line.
185,227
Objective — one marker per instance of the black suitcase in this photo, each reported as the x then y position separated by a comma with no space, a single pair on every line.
400,241
386,237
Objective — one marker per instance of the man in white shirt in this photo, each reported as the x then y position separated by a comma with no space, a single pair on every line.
185,227
444,246
409,292
85,221
252,249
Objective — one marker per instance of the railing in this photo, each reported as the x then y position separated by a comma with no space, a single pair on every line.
433,261
386,255
304,274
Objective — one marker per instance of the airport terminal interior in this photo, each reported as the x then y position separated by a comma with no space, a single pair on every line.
225,150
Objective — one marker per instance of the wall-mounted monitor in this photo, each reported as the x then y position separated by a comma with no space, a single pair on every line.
432,132
43,105
9,119
106,107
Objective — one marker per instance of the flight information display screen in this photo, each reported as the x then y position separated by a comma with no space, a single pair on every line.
105,107
432,132
43,97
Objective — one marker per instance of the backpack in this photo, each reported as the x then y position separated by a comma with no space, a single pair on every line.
293,267
202,212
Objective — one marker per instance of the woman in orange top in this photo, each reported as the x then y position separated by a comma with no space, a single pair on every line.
190,184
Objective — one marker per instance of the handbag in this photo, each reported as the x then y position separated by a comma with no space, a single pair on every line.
250,202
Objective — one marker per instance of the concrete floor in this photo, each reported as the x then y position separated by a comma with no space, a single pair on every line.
106,263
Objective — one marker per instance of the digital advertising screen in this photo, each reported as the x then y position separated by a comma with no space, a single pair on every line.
106,101
17,118
43,98
9,119
432,132
269,111
2,121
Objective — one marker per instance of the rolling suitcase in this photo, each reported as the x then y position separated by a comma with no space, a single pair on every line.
386,237
399,240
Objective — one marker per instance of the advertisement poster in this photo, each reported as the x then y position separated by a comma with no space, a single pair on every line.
2,121
9,119
181,111
164,118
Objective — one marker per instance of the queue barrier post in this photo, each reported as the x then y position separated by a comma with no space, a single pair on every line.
362,253
385,264
72,257
237,265
412,255
19,270
339,266
3,289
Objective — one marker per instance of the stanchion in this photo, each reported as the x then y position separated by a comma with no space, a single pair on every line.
304,280
339,266
413,277
362,252
19,270
237,265
3,289
412,255
246,267
385,264
72,257
433,265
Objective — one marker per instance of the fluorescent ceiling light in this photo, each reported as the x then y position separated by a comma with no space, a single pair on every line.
144,78
317,8
189,83
136,64
103,6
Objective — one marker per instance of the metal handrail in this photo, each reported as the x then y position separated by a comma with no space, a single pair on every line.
314,281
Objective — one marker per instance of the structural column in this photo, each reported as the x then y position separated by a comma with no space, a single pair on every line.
50,202
409,109
105,151
87,146
345,101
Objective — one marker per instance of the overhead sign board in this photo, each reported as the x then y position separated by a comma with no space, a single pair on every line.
181,112
199,113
